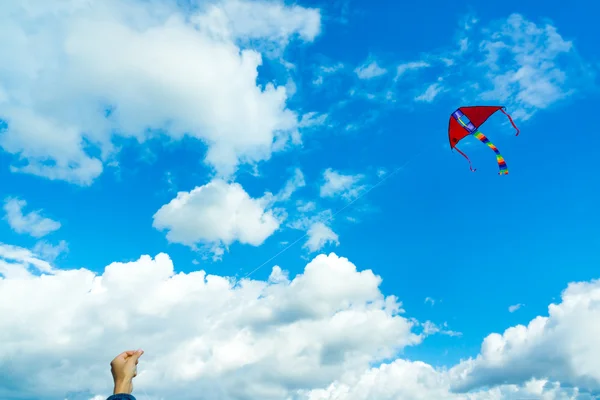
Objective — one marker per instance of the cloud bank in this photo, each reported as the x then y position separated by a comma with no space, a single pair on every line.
328,333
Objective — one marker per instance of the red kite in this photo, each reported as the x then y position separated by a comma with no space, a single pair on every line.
466,121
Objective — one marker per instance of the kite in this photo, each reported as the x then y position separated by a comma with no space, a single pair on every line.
466,121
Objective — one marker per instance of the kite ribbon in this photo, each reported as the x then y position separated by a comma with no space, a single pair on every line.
465,156
511,121
501,164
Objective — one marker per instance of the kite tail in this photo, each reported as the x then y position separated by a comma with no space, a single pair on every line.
465,156
499,158
511,121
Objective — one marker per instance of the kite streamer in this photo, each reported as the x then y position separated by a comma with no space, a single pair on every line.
499,158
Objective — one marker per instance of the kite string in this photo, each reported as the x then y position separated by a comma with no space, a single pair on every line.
379,183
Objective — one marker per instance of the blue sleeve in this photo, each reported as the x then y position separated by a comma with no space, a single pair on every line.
121,396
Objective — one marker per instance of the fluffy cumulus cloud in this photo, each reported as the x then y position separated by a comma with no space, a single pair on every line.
230,340
218,214
415,380
561,346
31,223
83,72
310,337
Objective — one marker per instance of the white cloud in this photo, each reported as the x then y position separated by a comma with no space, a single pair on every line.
312,119
331,69
415,380
59,82
337,184
216,215
50,252
560,347
272,20
296,182
254,339
430,93
306,338
554,357
429,300
514,307
325,70
17,262
32,223
305,207
430,328
370,70
317,226
514,62
410,66
524,62
320,235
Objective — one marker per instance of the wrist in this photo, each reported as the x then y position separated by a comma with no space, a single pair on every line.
123,387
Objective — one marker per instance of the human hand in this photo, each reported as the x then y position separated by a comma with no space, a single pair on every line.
124,368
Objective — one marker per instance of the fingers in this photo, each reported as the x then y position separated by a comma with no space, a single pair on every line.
128,354
137,354
125,354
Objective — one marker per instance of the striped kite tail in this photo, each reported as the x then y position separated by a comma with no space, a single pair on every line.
501,163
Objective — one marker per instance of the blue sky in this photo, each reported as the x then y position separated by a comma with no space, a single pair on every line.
475,243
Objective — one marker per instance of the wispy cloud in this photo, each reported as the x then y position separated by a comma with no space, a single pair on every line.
430,93
32,223
522,65
50,252
16,262
429,328
338,184
323,71
370,70
312,119
402,69
514,62
515,307
296,182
